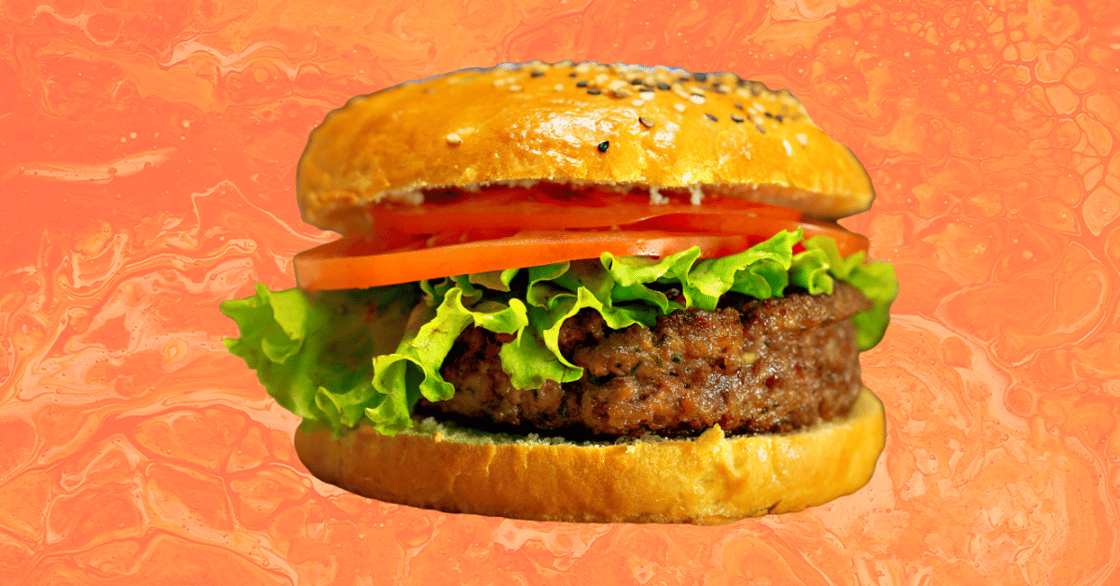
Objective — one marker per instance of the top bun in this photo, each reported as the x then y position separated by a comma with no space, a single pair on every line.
622,126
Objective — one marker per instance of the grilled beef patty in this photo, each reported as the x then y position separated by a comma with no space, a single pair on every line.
752,366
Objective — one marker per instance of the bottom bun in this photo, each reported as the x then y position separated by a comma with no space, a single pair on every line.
706,480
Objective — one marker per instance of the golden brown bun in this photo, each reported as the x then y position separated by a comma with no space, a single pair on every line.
538,122
712,479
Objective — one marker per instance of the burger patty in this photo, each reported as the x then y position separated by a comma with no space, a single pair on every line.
752,366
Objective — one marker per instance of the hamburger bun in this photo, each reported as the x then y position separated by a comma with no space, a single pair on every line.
708,480
535,122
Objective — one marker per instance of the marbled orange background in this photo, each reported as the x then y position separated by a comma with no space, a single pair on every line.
147,164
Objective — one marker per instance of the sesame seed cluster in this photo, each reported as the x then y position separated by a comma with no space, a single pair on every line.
642,85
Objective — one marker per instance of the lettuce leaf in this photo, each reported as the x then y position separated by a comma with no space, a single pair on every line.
314,353
331,359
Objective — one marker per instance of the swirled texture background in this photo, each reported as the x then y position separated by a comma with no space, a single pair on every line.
147,162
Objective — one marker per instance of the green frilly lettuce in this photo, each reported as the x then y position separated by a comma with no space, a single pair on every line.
340,358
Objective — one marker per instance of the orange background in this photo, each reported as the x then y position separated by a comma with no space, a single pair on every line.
147,156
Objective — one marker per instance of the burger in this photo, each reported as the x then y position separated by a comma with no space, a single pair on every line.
579,292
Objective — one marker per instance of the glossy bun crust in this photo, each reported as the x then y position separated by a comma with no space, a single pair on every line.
708,480
617,125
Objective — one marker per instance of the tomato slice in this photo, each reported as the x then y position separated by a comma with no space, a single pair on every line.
354,263
544,208
456,233
848,242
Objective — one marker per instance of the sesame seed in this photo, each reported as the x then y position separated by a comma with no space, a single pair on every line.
760,128
700,77
616,85
646,95
696,99
536,74
778,117
603,146
635,81
678,107
767,114
637,103
804,140
515,88
454,139
663,86
621,93
737,118
738,105
558,87
710,117
789,149
720,88
581,83
645,121
573,74
594,91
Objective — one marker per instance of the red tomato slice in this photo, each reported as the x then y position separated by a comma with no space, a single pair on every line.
506,227
848,242
551,209
353,263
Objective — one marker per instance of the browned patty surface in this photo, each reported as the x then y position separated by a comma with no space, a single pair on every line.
752,366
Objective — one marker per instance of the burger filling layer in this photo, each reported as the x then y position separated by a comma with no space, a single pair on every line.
763,340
